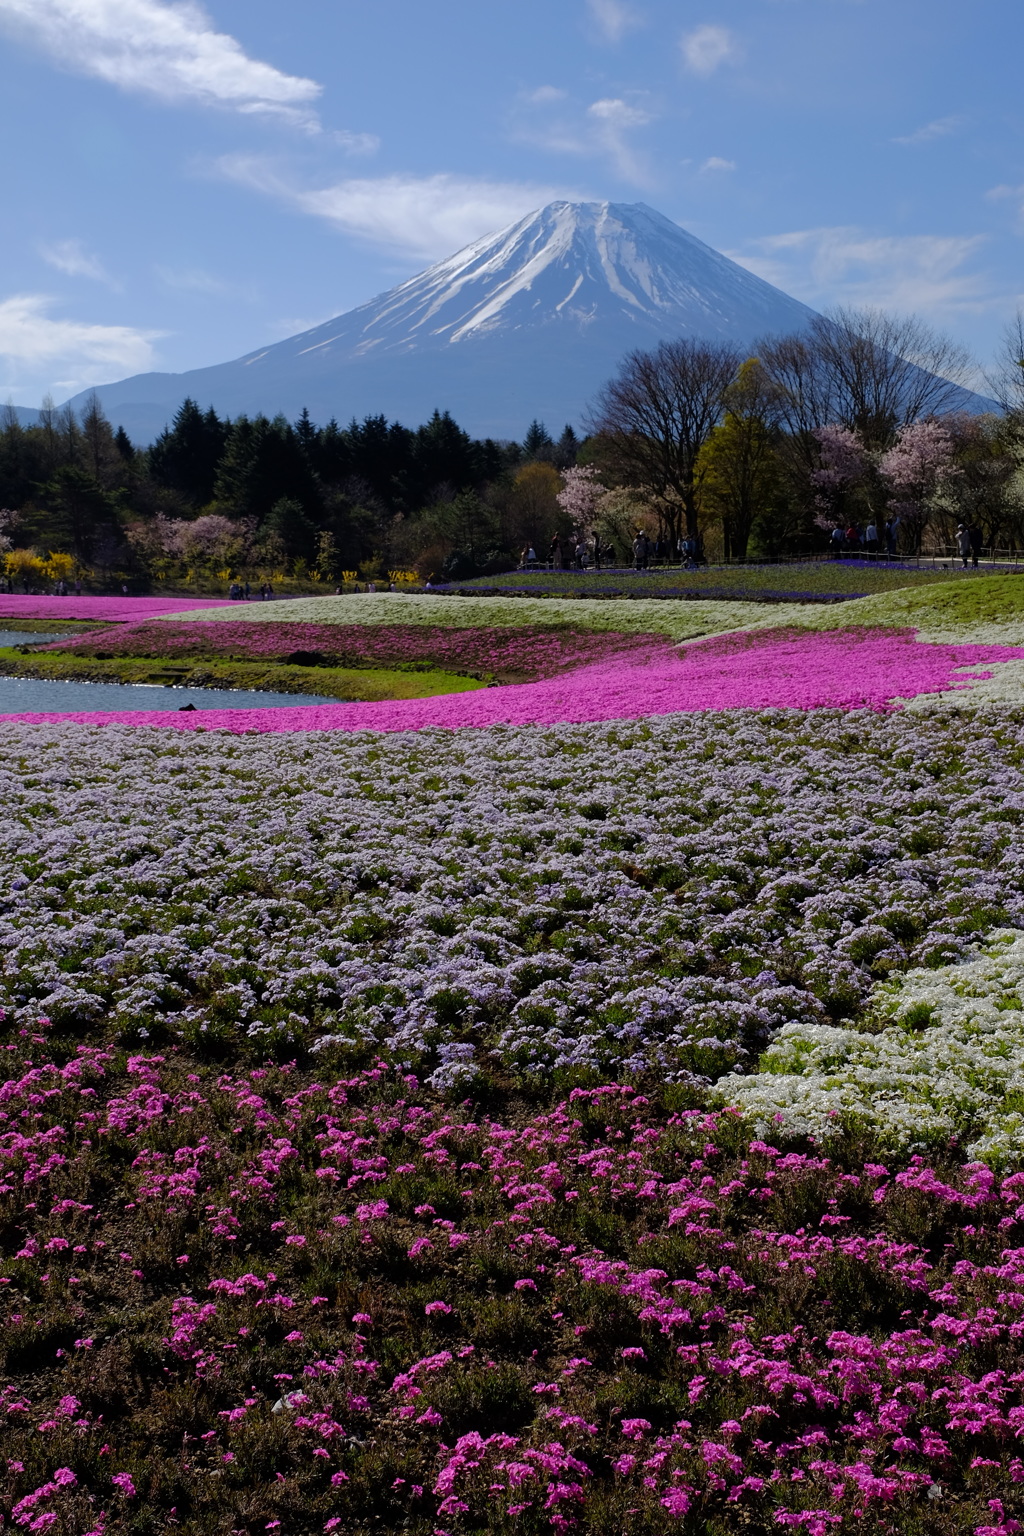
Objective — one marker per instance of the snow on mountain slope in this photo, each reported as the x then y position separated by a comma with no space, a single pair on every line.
527,322
574,266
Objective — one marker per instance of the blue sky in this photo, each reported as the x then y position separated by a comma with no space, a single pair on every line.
185,183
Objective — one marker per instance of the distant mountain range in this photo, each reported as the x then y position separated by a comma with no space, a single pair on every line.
529,322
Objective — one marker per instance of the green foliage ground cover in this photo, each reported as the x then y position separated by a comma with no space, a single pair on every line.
362,684
991,607
813,581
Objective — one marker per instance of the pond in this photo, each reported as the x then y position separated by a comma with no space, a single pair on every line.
30,695
25,637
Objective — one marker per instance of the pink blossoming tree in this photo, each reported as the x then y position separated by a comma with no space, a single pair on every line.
915,470
844,463
579,496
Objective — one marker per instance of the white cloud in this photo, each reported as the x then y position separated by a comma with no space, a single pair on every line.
548,120
939,129
71,258
31,337
705,48
612,19
197,280
922,274
613,119
356,143
296,325
716,163
165,50
425,217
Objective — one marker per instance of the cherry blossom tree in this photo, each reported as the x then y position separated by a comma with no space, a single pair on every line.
204,543
8,520
915,469
844,463
581,491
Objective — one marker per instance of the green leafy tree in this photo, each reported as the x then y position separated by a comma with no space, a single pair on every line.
738,470
76,514
287,521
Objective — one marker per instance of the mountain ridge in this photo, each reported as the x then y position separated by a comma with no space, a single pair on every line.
527,322
523,324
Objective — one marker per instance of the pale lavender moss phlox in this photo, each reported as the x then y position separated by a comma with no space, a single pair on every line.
658,894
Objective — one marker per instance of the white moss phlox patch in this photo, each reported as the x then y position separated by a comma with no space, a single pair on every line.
948,1061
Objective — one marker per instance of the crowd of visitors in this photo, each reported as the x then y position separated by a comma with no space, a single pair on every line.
874,541
882,540
589,553
241,592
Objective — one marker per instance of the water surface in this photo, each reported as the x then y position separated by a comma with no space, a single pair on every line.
30,695
28,637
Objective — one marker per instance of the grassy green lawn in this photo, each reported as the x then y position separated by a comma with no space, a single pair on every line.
52,626
990,611
363,684
813,581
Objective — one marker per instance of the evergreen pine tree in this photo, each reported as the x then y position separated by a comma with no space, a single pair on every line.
185,458
444,455
538,443
262,464
306,431
566,449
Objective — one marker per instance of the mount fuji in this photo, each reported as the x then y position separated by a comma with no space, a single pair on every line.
525,323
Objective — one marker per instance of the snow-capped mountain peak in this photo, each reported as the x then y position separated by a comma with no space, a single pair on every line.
528,322
576,264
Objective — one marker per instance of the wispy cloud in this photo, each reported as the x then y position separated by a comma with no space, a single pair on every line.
544,95
612,19
420,216
166,50
30,336
191,280
613,120
706,48
356,143
941,128
550,120
715,163
923,274
71,258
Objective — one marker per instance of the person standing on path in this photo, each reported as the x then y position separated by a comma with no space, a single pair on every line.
892,535
974,534
963,544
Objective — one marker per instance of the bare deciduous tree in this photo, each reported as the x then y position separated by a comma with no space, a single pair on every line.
655,417
871,372
1007,380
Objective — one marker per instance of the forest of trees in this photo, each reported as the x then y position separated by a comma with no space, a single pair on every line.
853,421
